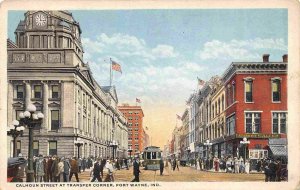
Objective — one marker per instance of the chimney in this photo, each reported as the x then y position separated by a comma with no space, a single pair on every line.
285,58
266,58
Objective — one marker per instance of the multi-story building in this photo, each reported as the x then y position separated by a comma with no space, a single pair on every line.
193,113
134,115
46,68
218,117
256,106
184,139
146,139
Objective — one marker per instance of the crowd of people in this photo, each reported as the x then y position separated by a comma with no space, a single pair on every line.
62,169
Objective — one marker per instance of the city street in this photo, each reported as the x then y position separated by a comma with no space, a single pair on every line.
184,174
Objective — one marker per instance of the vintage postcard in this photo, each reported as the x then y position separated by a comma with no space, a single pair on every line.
149,94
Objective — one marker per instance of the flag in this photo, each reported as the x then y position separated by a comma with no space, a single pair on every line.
201,82
137,100
178,117
116,66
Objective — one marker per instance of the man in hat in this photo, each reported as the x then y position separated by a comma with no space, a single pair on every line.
136,170
74,169
96,171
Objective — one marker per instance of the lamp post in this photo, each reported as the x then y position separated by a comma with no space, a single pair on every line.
245,142
188,151
130,151
30,119
15,130
207,144
78,143
114,146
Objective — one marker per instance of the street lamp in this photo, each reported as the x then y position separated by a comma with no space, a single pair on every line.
78,143
188,151
114,146
130,151
245,142
207,144
30,119
15,130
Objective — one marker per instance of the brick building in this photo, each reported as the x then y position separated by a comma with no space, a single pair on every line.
256,107
136,137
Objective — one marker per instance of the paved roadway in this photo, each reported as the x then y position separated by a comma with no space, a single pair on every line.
185,174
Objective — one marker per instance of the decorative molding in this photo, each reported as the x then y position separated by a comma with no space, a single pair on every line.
36,58
19,58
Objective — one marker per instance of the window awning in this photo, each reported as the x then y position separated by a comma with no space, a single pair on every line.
278,150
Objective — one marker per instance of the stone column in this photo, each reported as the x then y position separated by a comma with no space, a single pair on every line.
27,94
45,104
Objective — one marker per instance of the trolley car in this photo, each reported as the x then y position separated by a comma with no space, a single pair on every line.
151,156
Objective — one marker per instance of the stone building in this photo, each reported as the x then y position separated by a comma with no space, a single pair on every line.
46,68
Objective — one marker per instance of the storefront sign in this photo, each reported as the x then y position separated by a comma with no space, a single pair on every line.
258,135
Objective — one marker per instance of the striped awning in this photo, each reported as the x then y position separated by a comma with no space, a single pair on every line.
278,150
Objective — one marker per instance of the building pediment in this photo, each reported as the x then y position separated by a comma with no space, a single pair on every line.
18,105
53,104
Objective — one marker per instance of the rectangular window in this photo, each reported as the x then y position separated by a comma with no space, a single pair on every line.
230,125
55,91
35,148
276,90
37,91
36,41
18,147
252,121
20,91
279,122
248,91
54,119
18,113
52,148
45,41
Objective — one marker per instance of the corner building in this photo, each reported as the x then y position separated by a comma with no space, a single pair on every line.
256,108
46,68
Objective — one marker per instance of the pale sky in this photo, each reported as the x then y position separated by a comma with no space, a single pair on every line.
162,52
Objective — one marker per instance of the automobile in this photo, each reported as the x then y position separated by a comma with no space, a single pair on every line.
14,166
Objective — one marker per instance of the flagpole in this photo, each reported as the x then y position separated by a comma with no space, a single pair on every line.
110,71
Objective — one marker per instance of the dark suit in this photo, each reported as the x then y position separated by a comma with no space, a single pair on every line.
161,166
136,171
96,172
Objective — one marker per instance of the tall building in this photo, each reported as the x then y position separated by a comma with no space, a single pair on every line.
46,68
134,116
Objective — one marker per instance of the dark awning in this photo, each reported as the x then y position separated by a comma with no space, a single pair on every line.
278,150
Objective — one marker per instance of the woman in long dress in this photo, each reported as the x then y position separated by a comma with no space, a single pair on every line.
247,167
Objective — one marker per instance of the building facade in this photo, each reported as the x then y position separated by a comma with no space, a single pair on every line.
256,106
134,116
46,68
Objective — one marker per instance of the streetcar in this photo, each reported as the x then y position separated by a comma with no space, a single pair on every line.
151,157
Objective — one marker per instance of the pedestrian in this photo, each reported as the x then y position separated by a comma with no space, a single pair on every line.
39,169
273,168
236,165
96,171
79,164
67,167
267,173
161,166
247,167
21,173
89,163
278,170
177,164
74,169
102,165
242,165
136,170
54,169
61,169
49,172
84,164
126,163
174,164
216,164
259,165
46,169
110,171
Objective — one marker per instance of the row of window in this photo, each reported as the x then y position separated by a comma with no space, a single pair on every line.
52,147
248,91
130,118
37,91
130,112
130,138
253,123
136,124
